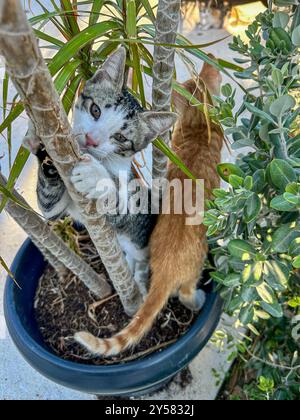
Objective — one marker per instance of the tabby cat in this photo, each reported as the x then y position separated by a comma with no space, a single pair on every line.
110,127
177,250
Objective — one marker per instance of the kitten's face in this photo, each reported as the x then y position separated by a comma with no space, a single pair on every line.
108,121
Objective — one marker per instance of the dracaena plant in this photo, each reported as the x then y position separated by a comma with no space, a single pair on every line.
254,223
88,32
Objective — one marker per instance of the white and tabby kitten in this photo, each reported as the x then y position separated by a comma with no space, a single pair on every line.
110,127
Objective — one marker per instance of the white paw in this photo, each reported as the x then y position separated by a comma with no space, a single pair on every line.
91,179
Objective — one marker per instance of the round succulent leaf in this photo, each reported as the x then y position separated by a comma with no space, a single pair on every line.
282,173
282,105
283,237
242,250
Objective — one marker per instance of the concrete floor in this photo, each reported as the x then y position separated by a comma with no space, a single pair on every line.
18,381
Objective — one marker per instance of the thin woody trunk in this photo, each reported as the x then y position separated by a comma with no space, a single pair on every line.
167,22
58,254
33,81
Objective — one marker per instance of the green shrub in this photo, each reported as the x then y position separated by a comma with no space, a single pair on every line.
254,225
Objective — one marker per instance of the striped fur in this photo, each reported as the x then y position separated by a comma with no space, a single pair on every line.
177,250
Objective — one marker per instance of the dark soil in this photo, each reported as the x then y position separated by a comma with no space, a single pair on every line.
64,306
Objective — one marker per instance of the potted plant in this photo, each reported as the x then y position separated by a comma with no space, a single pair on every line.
254,223
72,65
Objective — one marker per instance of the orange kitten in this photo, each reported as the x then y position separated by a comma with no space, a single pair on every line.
178,251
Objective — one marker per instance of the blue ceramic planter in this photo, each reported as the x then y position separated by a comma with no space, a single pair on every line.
138,377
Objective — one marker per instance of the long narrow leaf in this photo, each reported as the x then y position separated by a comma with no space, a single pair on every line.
66,74
95,12
69,50
162,146
5,87
70,94
48,38
149,10
6,268
132,33
70,17
15,112
10,196
19,163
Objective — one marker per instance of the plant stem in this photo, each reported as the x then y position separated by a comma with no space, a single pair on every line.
167,22
52,246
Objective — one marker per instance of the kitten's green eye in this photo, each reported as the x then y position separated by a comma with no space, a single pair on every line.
95,111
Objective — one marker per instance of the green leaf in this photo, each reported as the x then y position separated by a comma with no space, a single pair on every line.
227,169
281,20
227,90
9,195
6,268
296,36
241,250
296,18
18,165
162,146
256,111
45,37
275,309
95,11
291,198
266,293
236,181
279,203
283,237
217,277
282,173
131,19
189,96
253,208
294,249
249,183
293,188
276,275
259,180
253,329
282,105
295,302
262,314
232,280
246,315
69,50
66,74
296,262
15,112
70,94
149,10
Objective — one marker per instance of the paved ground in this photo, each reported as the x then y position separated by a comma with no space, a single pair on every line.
17,379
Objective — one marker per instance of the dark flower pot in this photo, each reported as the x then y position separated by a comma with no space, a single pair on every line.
138,377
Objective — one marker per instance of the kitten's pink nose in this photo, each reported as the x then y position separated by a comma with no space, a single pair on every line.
90,141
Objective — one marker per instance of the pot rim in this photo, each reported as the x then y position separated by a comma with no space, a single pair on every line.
14,326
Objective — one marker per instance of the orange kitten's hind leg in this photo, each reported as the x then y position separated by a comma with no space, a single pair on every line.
190,297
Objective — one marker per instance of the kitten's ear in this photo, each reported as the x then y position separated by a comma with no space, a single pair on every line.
157,123
113,69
